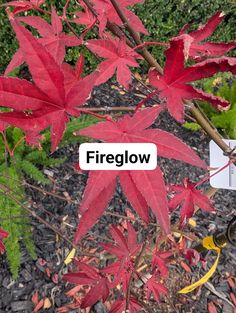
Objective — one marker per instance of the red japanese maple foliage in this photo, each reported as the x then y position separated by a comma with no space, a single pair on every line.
125,250
3,235
58,90
53,38
118,59
174,84
199,49
85,17
156,288
106,12
22,6
189,197
88,275
119,306
46,102
142,188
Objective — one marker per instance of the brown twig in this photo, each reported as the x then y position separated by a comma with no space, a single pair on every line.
128,292
8,191
212,133
43,191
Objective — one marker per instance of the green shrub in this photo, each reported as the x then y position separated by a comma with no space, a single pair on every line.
224,86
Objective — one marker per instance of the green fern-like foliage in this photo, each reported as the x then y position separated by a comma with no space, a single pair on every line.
14,219
224,86
27,162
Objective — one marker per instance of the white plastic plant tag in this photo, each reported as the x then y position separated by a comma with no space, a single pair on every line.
225,179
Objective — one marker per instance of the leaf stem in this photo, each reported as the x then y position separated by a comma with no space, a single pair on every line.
217,172
128,292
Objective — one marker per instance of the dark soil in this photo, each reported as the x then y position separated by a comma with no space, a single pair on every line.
15,296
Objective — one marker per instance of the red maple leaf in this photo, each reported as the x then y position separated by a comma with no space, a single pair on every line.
3,234
156,288
142,188
106,12
121,273
22,6
119,306
73,75
159,261
188,197
125,250
89,275
175,86
45,102
118,59
200,49
84,18
53,38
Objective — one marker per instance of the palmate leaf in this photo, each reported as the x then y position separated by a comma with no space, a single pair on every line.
174,84
53,38
106,12
199,48
188,197
88,275
125,249
47,99
119,57
143,189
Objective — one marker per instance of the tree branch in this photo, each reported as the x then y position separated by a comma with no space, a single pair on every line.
199,116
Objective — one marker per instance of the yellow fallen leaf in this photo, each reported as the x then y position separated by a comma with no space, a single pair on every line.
47,303
192,222
70,257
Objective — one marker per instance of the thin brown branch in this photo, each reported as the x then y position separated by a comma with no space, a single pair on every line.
144,52
43,191
8,191
128,292
212,132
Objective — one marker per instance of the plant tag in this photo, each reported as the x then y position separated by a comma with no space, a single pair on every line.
225,179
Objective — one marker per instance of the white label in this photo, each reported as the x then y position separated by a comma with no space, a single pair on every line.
118,156
225,179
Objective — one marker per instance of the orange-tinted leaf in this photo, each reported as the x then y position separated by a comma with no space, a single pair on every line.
211,307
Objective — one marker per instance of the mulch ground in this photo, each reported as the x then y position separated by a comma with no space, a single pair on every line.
45,275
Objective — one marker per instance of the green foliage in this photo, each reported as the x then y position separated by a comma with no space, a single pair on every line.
13,221
224,86
26,162
192,126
